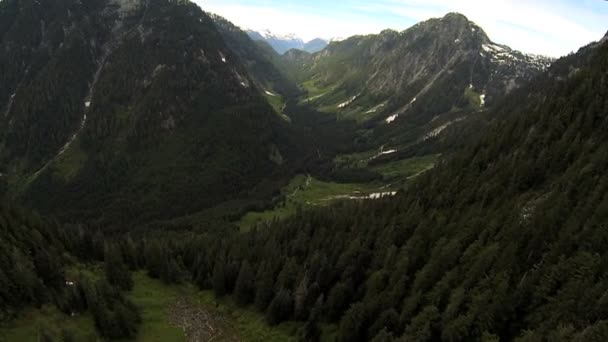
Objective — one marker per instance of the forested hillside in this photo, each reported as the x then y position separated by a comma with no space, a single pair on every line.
120,107
39,262
506,241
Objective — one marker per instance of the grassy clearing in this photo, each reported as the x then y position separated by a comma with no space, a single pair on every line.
278,103
305,191
407,168
314,91
154,299
355,160
473,97
32,323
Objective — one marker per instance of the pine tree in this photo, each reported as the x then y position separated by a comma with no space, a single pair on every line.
219,278
353,325
244,289
264,287
311,332
280,308
117,272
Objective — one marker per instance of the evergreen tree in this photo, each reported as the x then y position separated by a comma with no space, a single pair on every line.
117,272
280,308
244,291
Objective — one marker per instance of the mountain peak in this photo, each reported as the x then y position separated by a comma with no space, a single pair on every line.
605,39
456,16
283,43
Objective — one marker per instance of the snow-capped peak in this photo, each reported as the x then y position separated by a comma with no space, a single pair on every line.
267,34
502,54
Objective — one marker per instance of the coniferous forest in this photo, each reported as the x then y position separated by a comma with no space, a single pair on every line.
504,237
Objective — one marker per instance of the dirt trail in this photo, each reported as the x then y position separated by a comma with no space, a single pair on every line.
200,324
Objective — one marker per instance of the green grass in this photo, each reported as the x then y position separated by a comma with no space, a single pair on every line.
32,322
356,160
407,168
154,298
314,91
473,97
305,191
278,103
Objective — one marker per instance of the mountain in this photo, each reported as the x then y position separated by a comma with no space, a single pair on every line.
506,241
425,74
282,44
112,109
315,45
260,59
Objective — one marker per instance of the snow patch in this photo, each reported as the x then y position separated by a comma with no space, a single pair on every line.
222,57
378,195
373,196
492,48
482,100
383,153
10,104
270,93
314,97
457,41
434,133
375,109
391,118
347,103
242,80
87,104
69,283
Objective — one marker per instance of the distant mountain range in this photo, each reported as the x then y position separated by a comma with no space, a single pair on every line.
284,43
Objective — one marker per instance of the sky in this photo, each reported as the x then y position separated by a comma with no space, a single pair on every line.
546,27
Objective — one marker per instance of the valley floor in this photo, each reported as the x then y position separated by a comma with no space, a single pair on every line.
305,191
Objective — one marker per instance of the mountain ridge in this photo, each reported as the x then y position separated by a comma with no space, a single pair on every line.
284,43
414,77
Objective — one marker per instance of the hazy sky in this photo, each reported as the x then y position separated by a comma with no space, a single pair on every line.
549,27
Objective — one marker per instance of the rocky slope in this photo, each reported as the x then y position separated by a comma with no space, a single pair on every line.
412,77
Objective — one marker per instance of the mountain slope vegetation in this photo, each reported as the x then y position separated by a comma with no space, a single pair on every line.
410,85
505,241
122,107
